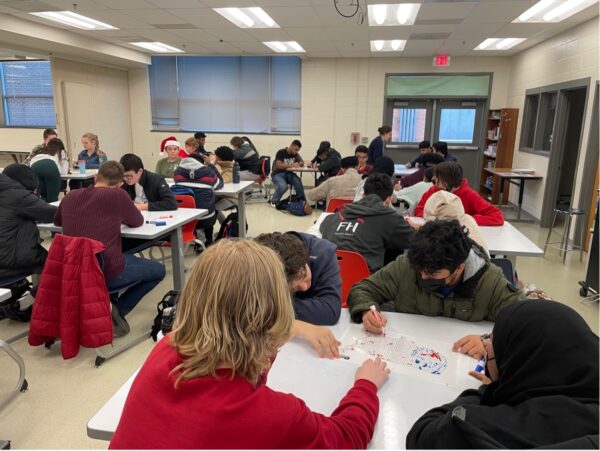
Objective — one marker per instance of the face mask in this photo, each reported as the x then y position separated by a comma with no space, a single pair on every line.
434,285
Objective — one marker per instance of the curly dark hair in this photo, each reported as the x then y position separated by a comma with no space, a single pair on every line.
290,249
449,172
439,245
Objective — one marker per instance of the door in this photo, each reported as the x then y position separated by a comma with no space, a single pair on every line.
78,101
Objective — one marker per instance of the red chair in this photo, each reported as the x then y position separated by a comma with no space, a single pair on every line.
264,190
337,203
353,269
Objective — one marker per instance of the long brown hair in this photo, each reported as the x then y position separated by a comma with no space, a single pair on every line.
234,311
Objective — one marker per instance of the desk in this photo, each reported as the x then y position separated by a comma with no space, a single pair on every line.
149,232
508,174
503,240
302,170
322,383
5,293
89,174
400,170
18,156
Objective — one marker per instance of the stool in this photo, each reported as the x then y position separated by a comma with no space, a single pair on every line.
569,213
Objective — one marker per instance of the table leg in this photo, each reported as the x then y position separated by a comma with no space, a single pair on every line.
521,191
14,157
242,214
177,259
501,192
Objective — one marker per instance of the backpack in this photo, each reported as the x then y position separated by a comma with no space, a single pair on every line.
230,227
180,190
163,321
11,307
265,164
293,204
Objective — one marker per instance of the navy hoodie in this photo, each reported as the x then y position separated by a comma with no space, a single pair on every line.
321,304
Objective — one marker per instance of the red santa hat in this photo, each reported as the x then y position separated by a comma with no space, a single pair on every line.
170,141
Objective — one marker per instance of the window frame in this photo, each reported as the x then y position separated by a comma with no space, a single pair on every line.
3,112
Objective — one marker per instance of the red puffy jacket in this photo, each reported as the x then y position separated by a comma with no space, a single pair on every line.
72,300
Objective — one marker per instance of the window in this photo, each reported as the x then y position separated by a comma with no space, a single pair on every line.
457,125
546,120
27,99
539,114
226,94
532,103
408,125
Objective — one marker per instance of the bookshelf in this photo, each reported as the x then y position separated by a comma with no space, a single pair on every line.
499,147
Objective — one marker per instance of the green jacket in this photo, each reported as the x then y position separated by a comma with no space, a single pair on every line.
482,293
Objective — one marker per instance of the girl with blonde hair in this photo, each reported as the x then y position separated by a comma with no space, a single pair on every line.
204,385
91,153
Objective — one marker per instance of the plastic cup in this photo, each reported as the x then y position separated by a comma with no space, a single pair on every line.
82,166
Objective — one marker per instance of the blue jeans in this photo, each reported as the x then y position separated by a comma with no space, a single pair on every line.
281,181
147,274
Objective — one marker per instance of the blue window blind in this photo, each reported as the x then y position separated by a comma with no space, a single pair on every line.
408,125
457,125
255,94
27,94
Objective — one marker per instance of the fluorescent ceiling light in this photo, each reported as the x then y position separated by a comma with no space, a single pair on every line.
499,43
74,20
393,15
157,47
284,46
247,17
552,11
395,45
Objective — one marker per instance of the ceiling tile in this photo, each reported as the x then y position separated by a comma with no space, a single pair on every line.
82,5
437,11
126,4
117,19
154,16
261,34
290,16
194,36
176,4
497,11
203,18
309,34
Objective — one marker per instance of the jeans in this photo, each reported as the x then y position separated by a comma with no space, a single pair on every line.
147,274
281,181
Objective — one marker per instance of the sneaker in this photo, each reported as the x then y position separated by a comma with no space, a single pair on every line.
120,325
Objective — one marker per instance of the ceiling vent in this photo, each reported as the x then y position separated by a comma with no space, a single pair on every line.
429,36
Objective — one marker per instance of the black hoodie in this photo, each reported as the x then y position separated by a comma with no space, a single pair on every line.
368,227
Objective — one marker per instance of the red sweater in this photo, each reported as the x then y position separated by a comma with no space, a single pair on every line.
98,213
232,413
484,213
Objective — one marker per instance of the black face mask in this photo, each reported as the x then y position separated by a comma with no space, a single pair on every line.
435,285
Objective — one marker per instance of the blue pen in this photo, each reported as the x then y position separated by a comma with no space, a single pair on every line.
480,368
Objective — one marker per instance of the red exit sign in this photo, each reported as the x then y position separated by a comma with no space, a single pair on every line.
441,60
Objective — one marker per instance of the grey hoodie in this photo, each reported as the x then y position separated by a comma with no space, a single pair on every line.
369,228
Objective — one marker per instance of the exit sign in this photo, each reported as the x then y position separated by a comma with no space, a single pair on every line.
441,60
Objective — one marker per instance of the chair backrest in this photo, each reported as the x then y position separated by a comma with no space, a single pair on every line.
337,203
187,201
353,268
507,268
265,167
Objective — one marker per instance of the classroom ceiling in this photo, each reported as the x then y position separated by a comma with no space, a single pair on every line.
447,27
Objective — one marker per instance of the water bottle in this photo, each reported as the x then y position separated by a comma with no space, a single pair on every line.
236,172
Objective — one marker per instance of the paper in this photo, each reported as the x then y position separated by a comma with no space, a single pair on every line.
429,359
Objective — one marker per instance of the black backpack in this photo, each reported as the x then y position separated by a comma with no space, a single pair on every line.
165,314
230,227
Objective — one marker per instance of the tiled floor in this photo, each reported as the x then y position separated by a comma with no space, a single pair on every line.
63,395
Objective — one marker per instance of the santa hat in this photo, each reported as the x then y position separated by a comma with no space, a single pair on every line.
170,141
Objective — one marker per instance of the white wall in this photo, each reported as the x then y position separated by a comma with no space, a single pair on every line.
569,56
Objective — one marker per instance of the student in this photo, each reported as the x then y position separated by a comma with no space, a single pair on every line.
147,190
444,274
328,161
224,163
47,168
441,148
339,186
428,160
448,176
540,388
445,205
369,226
20,209
200,138
190,147
207,378
91,153
312,267
97,212
378,143
361,152
166,166
383,165
248,159
203,180
47,135
411,196
424,148
281,177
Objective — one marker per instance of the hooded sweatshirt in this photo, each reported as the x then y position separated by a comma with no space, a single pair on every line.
248,159
202,179
62,165
368,227
445,205
338,186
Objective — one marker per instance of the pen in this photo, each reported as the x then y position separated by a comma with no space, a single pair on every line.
480,368
166,217
378,316
157,223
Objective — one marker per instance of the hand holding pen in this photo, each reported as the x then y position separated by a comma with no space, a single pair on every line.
374,321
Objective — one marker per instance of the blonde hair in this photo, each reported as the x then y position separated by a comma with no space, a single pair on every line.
93,138
235,310
191,142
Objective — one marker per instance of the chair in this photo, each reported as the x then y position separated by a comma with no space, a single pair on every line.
264,190
337,203
507,268
353,269
563,246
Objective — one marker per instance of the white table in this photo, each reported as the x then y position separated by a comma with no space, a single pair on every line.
89,174
4,294
302,170
18,156
400,170
149,232
501,240
322,383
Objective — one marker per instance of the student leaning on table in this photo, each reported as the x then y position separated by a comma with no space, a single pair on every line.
540,387
444,274
204,385
149,191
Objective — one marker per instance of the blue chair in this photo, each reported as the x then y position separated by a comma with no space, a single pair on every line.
507,268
